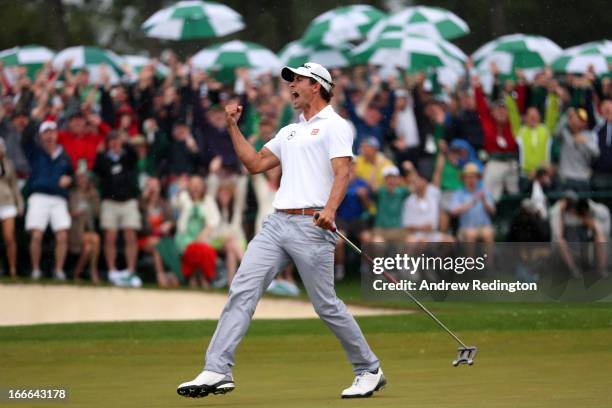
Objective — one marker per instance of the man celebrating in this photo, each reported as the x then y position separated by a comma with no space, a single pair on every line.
314,155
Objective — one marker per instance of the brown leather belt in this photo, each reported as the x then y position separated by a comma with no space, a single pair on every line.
299,211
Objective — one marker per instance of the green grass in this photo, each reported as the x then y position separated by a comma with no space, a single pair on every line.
531,355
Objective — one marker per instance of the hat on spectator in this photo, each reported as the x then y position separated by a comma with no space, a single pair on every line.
471,169
47,125
372,141
390,171
401,93
310,70
582,114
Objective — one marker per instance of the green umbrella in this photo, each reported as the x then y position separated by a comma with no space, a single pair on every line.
296,53
193,19
431,22
516,51
92,59
236,54
32,57
411,52
578,59
341,25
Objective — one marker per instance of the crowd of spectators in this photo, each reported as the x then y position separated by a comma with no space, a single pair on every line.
146,168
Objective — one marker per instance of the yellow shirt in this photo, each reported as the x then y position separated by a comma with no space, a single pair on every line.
364,169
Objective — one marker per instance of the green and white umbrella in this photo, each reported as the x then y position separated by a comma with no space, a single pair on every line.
32,57
341,25
236,54
296,53
516,51
431,22
578,59
137,62
92,59
411,52
193,19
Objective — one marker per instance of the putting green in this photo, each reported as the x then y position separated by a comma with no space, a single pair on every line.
530,356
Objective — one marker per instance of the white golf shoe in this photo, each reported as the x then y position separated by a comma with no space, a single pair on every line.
365,384
208,382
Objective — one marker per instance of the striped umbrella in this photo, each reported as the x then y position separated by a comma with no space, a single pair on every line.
32,57
193,19
341,25
432,22
412,52
137,62
90,58
578,59
516,51
296,53
236,54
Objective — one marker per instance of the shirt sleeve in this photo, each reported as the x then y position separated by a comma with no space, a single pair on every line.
340,140
274,144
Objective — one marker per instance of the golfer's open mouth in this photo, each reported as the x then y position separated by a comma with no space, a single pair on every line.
294,95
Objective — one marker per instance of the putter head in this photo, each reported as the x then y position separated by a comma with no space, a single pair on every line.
465,355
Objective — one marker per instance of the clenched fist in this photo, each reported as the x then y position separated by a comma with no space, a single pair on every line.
232,113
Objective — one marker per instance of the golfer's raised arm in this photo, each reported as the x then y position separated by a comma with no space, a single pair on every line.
255,162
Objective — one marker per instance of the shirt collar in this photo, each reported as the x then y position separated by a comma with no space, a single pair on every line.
323,114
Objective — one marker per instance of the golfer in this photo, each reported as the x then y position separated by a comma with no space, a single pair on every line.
314,154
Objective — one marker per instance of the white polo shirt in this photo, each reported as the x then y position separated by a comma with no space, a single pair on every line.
305,150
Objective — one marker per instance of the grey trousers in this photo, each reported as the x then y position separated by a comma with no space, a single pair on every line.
287,237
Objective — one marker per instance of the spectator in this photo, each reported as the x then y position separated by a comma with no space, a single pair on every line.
50,178
198,218
580,220
465,124
406,129
533,137
541,186
474,206
449,163
602,177
421,212
370,163
230,197
117,174
183,156
389,203
84,205
370,119
157,224
578,150
81,144
11,130
501,171
11,205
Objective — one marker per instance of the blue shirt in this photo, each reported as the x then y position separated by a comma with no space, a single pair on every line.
352,208
477,215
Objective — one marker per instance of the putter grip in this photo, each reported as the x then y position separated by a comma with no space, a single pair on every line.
332,229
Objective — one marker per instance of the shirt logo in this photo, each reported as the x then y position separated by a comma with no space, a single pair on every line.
291,135
314,131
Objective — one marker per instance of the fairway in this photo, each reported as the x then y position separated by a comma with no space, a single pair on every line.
530,356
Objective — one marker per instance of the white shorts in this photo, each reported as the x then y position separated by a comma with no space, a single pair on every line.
7,211
44,209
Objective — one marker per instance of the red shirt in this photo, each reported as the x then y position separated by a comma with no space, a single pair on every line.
83,147
492,142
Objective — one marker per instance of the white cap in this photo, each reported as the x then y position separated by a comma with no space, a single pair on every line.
390,171
311,70
47,125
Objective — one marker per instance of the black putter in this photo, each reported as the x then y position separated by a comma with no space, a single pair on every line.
465,354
